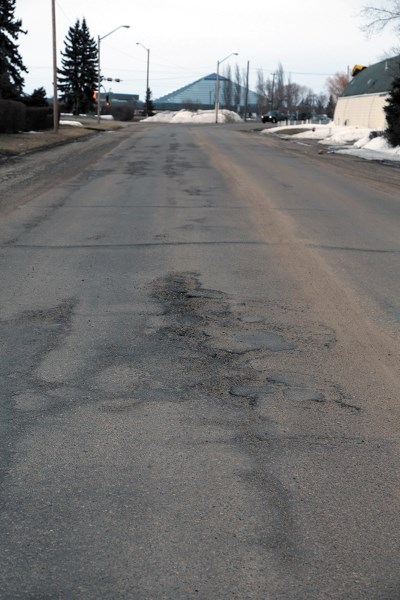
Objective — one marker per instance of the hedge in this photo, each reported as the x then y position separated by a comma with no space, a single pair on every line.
12,116
122,112
38,118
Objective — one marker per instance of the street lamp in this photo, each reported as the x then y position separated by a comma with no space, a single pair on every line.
98,67
147,77
217,84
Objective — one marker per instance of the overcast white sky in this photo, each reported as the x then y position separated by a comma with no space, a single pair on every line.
312,39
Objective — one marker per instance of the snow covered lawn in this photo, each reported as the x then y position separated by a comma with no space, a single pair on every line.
356,141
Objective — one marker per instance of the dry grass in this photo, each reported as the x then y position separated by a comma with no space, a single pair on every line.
12,144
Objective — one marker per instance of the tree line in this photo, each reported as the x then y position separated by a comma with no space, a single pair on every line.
279,92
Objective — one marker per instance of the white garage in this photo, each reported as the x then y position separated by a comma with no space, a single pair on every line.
363,99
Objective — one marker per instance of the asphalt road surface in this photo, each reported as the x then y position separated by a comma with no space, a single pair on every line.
199,376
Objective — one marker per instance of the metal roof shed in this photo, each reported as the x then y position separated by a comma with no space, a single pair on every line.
364,98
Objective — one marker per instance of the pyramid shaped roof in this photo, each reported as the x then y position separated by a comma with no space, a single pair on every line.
202,92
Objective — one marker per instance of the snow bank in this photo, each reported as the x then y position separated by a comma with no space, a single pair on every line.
356,141
200,116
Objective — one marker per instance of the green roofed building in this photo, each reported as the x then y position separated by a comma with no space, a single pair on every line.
201,95
363,99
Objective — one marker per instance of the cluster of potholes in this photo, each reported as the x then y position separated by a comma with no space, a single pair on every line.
225,351
233,350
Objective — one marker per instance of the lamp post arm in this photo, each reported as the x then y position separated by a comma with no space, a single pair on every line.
119,27
226,57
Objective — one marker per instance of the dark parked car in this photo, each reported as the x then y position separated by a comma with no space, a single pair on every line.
273,116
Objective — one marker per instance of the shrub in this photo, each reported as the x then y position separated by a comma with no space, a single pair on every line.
12,116
376,133
37,118
37,98
63,108
122,112
392,111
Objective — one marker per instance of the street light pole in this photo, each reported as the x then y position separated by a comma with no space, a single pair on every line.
148,71
98,68
217,84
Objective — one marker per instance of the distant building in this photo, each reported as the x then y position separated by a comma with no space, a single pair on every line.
201,95
114,98
363,99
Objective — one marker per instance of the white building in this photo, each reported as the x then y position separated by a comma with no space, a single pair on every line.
363,99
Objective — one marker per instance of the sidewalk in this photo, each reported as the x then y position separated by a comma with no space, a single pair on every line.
14,144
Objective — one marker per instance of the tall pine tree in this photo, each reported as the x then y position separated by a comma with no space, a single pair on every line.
11,65
392,111
78,75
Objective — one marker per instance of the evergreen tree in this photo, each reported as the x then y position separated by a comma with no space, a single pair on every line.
392,111
330,109
149,106
78,75
11,65
37,98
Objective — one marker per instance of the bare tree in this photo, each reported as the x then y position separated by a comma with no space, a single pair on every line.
336,85
279,88
237,87
307,104
269,91
228,88
293,95
245,80
377,18
260,90
321,104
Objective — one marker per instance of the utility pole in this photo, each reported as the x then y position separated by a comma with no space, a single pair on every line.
55,89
